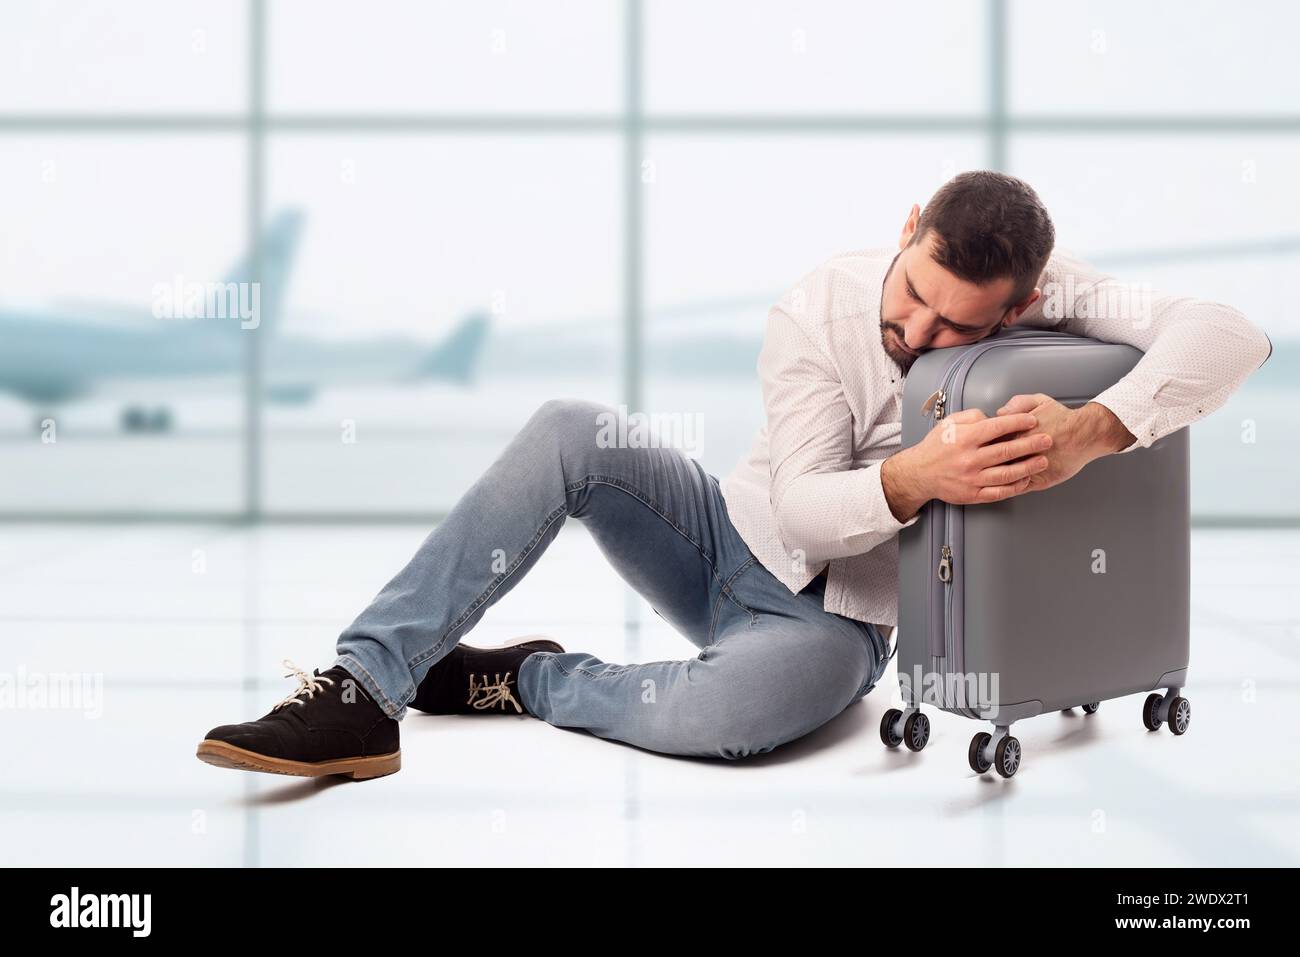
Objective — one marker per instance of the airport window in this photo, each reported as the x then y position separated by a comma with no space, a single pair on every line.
503,203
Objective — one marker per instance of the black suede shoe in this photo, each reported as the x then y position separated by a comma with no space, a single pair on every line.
330,725
471,680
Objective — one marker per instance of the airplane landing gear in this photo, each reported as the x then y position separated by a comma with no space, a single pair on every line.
139,419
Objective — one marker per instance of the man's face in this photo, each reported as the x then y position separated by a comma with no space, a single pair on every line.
923,306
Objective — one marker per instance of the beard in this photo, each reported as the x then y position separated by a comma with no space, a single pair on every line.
893,346
902,358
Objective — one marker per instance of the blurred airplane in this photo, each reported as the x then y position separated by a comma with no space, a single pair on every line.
53,357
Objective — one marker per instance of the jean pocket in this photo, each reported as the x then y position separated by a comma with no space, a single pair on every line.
728,590
729,602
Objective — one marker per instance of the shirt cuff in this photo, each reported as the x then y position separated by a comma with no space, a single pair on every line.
878,513
1136,408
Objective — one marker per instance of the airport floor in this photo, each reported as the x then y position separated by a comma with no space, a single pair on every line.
188,626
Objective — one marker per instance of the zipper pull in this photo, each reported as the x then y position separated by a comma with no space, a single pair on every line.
935,404
945,564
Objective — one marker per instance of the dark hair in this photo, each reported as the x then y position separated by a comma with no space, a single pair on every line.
989,226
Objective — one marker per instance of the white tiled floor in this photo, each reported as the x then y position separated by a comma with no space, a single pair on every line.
188,626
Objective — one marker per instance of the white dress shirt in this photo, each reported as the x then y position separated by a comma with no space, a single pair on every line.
808,495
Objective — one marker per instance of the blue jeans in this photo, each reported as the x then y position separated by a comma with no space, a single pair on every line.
772,665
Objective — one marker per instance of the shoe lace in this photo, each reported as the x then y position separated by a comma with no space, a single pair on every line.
306,683
489,694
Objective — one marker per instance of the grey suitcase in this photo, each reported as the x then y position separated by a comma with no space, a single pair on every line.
1049,600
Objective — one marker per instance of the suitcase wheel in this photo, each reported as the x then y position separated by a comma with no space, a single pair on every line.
888,733
1180,714
1006,757
916,731
1151,711
1092,707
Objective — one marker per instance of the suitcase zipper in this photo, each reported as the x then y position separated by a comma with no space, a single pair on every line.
945,576
945,565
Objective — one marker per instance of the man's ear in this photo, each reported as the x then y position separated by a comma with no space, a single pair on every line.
909,227
1019,308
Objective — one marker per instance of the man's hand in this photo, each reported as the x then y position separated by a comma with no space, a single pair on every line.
1078,435
967,458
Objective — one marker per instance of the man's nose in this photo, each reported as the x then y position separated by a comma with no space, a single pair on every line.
919,333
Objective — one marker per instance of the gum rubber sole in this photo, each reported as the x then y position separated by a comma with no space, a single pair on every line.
516,642
223,755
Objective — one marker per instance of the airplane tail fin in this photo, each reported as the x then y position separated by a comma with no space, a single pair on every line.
279,244
457,355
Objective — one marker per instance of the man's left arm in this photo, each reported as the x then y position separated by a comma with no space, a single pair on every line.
1196,354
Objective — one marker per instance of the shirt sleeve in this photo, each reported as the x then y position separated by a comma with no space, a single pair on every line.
824,507
1196,352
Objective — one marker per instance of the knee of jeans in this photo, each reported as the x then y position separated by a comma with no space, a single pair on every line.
748,714
720,726
571,424
743,739
731,740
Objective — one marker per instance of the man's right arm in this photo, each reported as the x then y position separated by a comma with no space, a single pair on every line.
966,459
904,487
825,508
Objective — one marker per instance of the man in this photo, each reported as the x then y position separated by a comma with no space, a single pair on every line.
785,574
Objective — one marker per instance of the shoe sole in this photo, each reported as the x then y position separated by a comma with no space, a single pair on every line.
554,646
223,755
